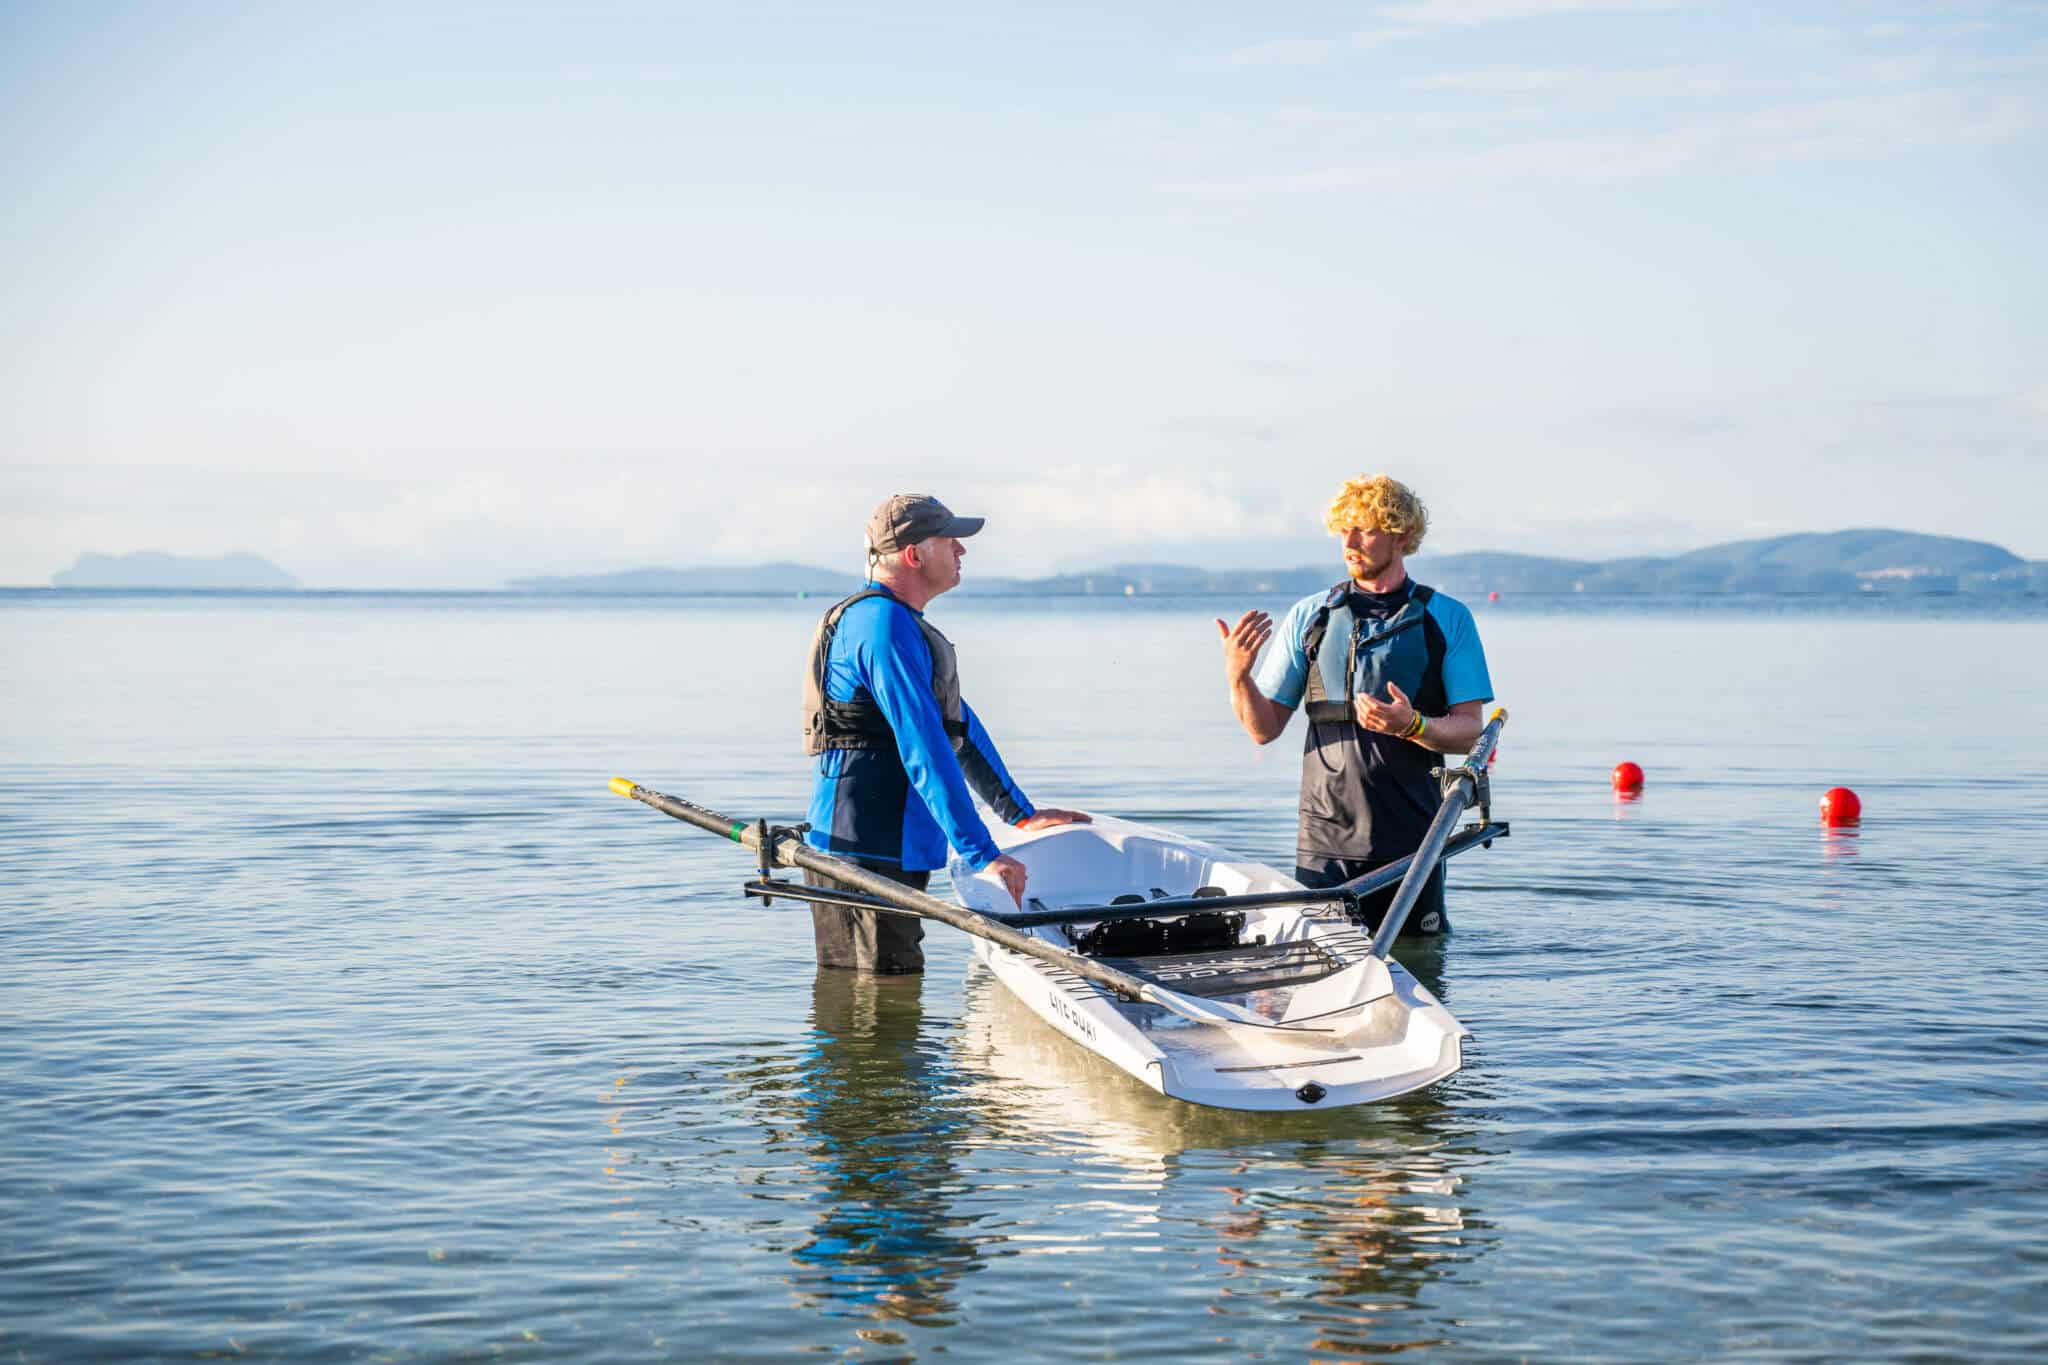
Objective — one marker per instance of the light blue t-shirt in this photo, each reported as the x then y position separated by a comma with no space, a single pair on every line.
1283,673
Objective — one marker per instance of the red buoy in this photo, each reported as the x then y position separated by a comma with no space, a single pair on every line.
1840,806
1493,597
1628,779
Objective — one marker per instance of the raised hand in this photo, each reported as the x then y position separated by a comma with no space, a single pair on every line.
1242,642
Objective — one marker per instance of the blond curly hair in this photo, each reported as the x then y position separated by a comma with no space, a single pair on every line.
1379,503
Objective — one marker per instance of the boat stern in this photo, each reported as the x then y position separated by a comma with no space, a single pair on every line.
1336,1080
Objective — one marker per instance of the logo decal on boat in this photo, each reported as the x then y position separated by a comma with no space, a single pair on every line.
1071,1017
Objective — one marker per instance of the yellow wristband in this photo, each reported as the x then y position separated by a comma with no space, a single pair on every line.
1417,728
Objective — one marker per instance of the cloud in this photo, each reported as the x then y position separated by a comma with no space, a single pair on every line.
1421,19
1298,51
1848,128
1905,434
1119,505
1969,77
1933,65
1231,430
1575,530
1658,82
465,529
1435,14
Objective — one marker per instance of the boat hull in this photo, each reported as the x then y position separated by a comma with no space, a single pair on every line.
1362,1031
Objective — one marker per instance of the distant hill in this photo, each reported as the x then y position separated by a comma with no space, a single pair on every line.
1130,580
1817,562
154,569
1814,562
1835,562
754,578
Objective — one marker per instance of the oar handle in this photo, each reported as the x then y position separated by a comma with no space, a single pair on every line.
1482,748
687,812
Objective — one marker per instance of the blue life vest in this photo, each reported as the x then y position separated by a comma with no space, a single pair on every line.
1393,650
1366,795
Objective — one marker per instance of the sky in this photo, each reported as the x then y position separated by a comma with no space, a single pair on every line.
435,295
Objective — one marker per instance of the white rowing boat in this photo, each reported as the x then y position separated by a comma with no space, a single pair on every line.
1210,978
1344,1026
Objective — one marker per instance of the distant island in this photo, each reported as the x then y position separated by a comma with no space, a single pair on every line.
1814,563
1872,561
155,569
1834,562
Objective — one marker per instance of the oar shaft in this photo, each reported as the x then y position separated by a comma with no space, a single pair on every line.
1423,863
1420,868
793,852
1344,893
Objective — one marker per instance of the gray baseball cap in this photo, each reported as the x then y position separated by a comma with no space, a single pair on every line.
907,518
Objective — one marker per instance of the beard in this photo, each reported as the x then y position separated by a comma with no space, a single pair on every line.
1362,570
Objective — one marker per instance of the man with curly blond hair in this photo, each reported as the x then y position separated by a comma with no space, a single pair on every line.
1392,674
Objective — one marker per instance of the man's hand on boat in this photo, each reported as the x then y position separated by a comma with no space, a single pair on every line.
1012,875
1048,816
1011,872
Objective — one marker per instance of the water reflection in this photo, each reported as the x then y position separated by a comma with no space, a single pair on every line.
1334,1225
881,1116
1369,1223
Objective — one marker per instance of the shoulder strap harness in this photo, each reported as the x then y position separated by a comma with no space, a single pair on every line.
859,723
1328,697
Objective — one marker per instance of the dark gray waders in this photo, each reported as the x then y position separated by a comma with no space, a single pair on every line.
869,940
1428,919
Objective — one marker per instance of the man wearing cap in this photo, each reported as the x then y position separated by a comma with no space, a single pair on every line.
1393,676
898,750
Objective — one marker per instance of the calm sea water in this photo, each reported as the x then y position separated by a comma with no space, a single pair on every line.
347,1016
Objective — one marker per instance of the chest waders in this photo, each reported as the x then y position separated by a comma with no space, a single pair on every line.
1368,796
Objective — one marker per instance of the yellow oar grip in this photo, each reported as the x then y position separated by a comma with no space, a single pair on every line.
624,785
1499,713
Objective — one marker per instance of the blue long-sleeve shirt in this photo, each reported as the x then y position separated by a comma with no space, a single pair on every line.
904,805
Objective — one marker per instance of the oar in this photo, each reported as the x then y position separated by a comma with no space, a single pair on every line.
1344,893
787,850
1463,785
